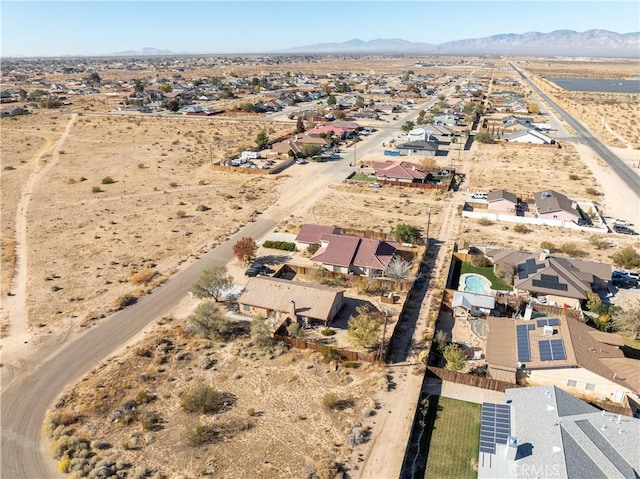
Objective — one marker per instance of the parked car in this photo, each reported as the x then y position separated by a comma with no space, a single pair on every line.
623,230
375,185
620,222
257,269
626,282
479,196
301,161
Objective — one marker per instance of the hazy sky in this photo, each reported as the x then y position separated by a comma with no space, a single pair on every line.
53,28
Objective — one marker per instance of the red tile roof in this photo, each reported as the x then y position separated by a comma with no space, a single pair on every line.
344,251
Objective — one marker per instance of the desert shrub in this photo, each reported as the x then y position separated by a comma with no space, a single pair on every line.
294,330
149,421
107,180
63,465
484,137
626,258
330,401
485,222
203,434
350,364
208,321
454,356
520,228
96,189
327,332
124,300
260,334
548,245
143,276
364,329
326,468
312,248
181,214
407,233
572,249
173,184
369,287
202,399
574,177
202,208
592,191
505,272
598,242
281,245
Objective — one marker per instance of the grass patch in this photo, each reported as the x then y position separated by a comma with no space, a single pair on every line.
455,439
363,177
487,272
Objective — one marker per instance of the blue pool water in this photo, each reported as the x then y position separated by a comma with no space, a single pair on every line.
474,284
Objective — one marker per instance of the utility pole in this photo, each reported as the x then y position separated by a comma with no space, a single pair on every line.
428,224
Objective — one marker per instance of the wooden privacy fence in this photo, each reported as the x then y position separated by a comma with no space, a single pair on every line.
469,380
341,353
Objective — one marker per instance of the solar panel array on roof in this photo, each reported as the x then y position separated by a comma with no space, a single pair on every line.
522,342
552,350
495,426
548,322
549,285
549,277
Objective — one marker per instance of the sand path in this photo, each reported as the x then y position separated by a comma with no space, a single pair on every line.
15,304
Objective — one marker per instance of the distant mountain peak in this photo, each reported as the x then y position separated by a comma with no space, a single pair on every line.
595,42
146,51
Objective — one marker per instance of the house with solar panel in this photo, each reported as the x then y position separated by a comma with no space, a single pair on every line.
563,352
557,281
544,432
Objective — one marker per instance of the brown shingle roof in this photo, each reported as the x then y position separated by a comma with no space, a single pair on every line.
312,301
339,250
374,254
310,233
549,201
497,195
399,169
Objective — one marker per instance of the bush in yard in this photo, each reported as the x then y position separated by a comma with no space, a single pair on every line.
281,245
202,399
485,222
520,228
364,329
548,245
480,261
484,137
294,330
124,300
627,320
260,334
330,400
312,248
407,233
505,271
398,268
327,332
626,258
245,249
208,321
107,180
454,356
572,249
326,468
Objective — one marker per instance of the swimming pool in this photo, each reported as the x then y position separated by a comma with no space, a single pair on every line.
475,283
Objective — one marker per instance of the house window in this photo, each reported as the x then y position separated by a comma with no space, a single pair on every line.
246,307
590,387
571,383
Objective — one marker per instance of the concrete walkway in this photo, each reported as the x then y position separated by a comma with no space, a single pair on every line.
462,392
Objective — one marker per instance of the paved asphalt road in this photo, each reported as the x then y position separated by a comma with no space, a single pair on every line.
27,396
624,171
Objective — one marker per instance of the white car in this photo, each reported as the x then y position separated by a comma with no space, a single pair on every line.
375,185
479,196
619,222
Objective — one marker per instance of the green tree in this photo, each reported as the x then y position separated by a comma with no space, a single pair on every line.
331,100
339,115
454,356
245,249
138,86
247,107
457,88
407,233
626,257
36,95
627,320
533,108
23,94
93,79
300,125
173,105
364,329
202,399
359,103
166,88
484,137
262,139
212,282
208,321
309,150
226,92
407,126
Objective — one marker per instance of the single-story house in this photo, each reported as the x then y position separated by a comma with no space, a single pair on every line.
399,171
529,136
280,299
310,234
438,130
545,432
474,304
502,200
13,111
563,352
353,255
419,147
553,205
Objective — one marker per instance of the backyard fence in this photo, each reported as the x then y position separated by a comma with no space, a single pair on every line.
326,349
469,380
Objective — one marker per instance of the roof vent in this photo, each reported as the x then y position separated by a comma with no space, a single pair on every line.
547,331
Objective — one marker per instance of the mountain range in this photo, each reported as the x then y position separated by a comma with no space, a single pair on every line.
601,43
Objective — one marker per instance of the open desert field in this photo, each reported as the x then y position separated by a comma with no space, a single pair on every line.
275,419
613,117
123,194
